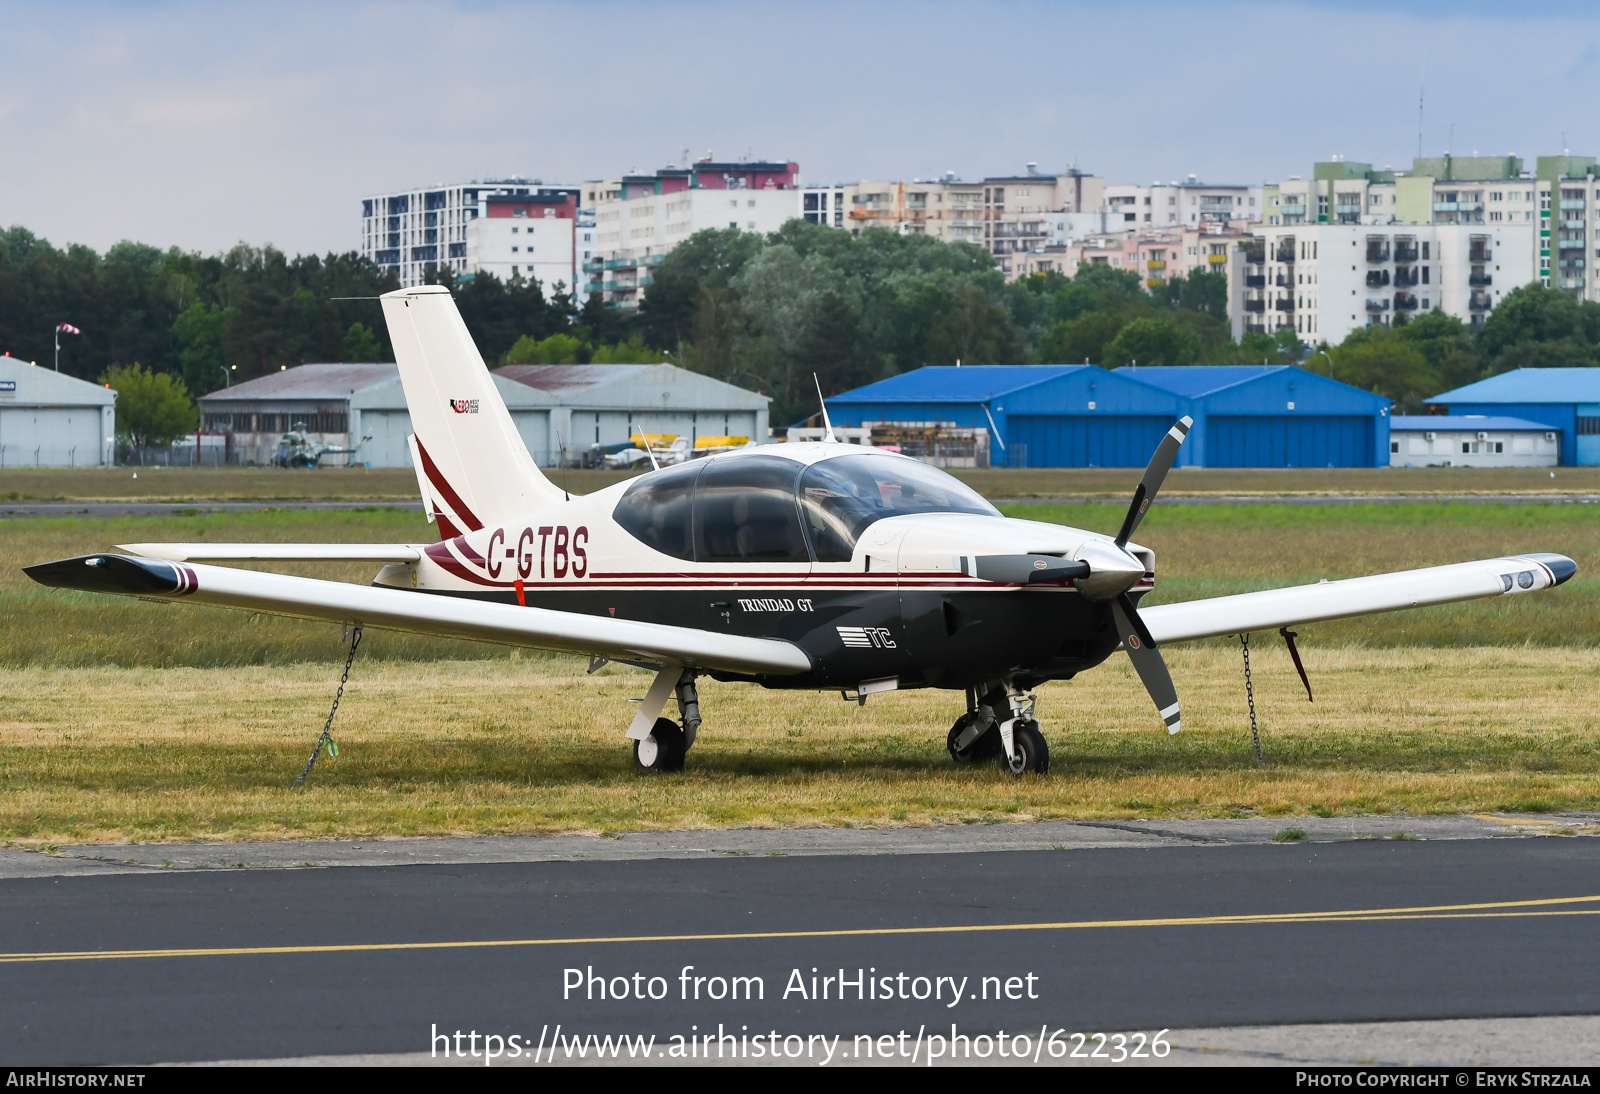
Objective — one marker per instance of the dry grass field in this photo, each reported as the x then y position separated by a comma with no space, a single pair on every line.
122,719
531,745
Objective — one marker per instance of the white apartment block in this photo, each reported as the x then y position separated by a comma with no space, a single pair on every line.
1325,280
527,237
415,232
1189,204
639,218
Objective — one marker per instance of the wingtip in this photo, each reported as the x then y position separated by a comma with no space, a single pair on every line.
1560,566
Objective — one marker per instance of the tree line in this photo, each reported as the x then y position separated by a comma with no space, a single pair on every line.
763,312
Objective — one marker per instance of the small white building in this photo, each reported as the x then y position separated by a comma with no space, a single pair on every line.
1471,440
51,420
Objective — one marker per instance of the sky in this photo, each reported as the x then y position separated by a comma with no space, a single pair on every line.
201,125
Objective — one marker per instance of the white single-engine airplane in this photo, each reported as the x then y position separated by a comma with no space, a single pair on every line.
813,565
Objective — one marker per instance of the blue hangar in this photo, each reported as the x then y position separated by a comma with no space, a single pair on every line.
1084,416
1565,399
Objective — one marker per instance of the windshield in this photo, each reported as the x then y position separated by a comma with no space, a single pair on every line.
842,496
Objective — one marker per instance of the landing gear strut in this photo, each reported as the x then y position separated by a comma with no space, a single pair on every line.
667,743
1000,723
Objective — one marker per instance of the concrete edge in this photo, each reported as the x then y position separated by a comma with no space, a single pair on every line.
124,858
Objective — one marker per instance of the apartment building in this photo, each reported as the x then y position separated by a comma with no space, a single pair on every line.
1016,207
946,208
1188,204
1568,189
527,236
1325,280
415,232
639,218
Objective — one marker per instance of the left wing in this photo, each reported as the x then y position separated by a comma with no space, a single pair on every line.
277,552
1356,596
425,613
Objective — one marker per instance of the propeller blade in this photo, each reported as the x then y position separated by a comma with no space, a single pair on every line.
1021,569
1147,661
1154,475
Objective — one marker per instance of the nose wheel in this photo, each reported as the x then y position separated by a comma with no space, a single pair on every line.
1029,752
1000,725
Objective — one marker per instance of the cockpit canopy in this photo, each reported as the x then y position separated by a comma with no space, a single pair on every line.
754,508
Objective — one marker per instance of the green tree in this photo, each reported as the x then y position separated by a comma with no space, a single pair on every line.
1153,342
558,349
631,352
1202,292
360,344
1082,339
152,408
709,259
973,329
200,335
1536,327
1387,362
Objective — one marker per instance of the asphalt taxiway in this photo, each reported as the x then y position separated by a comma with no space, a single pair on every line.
150,953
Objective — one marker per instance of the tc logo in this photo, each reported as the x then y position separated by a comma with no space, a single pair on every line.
866,637
464,406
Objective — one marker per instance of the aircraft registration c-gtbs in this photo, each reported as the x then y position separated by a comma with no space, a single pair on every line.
814,565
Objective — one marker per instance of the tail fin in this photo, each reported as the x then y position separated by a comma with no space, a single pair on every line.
467,449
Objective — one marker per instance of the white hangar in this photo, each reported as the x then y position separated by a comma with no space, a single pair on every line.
51,420
560,410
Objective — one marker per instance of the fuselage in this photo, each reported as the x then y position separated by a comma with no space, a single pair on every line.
853,554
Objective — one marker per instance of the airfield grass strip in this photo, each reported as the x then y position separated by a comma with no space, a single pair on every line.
521,745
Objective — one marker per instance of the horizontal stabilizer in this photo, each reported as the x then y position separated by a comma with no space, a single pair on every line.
1356,596
276,552
423,613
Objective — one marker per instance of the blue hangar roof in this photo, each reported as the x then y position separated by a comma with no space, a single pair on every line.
951,384
1530,385
1463,422
1193,381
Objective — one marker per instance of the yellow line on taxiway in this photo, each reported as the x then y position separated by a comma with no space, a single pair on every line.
1508,909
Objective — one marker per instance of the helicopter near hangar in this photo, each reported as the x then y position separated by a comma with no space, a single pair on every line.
799,566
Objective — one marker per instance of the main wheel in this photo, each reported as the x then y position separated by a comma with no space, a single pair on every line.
661,751
1033,754
985,746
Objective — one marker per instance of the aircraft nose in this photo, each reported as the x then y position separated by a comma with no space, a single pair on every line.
1111,570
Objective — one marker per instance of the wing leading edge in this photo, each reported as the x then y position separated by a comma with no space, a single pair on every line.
1275,608
277,552
394,609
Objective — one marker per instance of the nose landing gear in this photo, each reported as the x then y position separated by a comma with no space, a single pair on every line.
1000,724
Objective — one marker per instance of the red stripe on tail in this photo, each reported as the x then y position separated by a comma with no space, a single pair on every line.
446,491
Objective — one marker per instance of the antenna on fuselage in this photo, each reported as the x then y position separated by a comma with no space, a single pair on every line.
827,426
648,451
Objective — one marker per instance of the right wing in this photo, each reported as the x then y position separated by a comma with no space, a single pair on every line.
1355,596
425,613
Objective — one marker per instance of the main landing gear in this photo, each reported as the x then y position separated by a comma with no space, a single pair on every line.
999,723
666,744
